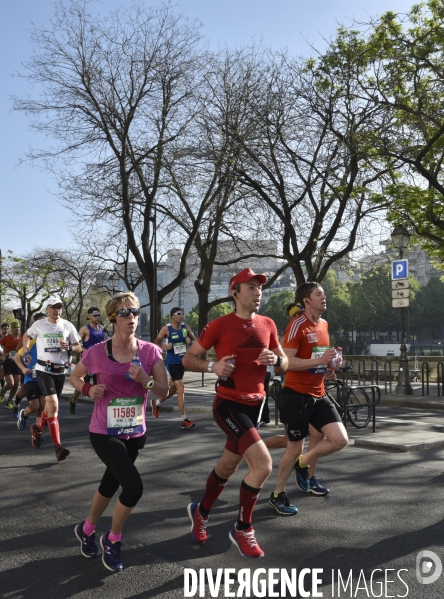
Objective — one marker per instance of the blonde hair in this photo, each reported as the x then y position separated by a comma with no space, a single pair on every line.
117,300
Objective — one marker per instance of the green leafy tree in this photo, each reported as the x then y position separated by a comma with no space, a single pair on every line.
28,281
398,68
276,308
193,317
338,307
371,302
431,308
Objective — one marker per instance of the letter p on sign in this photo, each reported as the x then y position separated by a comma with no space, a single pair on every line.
400,269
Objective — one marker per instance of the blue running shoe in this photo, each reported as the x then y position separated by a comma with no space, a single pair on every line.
88,547
111,554
302,476
15,412
21,421
316,488
282,504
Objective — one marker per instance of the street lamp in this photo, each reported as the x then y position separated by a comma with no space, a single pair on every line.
113,281
400,238
153,297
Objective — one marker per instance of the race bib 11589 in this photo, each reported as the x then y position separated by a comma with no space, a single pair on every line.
124,416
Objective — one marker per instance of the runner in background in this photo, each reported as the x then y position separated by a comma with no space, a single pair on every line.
30,386
3,333
55,338
21,393
11,371
179,336
90,334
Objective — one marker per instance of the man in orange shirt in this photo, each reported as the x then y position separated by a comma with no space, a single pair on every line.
303,399
12,372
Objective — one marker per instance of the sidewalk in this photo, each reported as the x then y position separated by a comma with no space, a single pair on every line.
199,397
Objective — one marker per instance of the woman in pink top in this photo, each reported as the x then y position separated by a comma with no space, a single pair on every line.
126,368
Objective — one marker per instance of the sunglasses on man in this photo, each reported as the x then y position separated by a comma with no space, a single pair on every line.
124,312
178,313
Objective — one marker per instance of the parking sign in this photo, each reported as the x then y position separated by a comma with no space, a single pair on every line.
400,269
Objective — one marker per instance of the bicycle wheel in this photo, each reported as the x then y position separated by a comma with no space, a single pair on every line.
275,388
359,411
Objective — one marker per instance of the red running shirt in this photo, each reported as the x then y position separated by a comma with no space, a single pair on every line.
245,339
310,341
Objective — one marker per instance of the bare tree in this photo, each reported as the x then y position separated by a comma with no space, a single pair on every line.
115,94
305,155
78,275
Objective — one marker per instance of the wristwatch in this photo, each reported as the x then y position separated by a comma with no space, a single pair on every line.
210,366
278,362
149,384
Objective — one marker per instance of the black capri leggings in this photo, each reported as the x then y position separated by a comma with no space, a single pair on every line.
119,456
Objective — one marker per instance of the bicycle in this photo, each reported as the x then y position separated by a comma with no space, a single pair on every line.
353,399
274,387
358,403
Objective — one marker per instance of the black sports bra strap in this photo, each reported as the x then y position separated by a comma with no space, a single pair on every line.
109,348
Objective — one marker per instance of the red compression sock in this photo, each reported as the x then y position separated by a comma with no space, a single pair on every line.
53,425
247,500
43,420
215,486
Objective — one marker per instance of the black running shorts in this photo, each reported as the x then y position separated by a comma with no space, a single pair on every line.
238,421
10,367
32,390
298,410
176,371
50,384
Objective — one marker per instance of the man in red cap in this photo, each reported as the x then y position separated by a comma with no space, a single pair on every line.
245,344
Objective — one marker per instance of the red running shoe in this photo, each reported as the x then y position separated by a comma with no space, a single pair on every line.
187,424
198,523
61,453
154,408
36,436
246,542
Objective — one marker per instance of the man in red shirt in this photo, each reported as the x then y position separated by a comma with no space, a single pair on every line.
245,344
12,373
303,399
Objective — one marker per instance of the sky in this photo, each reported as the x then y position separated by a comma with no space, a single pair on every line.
30,214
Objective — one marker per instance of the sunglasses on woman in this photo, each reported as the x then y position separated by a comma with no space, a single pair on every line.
124,312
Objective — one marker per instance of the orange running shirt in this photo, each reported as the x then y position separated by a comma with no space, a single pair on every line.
245,339
310,341
9,344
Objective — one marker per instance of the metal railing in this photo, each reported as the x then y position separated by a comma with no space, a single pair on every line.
425,374
440,374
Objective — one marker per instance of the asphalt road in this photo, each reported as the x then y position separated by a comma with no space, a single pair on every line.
383,509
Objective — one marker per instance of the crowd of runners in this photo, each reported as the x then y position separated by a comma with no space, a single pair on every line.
117,373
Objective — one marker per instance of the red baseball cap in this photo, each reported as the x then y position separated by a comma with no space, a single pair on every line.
246,275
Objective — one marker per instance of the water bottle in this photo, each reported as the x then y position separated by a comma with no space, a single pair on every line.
229,361
135,361
337,359
34,373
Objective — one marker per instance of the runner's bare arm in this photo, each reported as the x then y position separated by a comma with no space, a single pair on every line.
161,336
193,361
